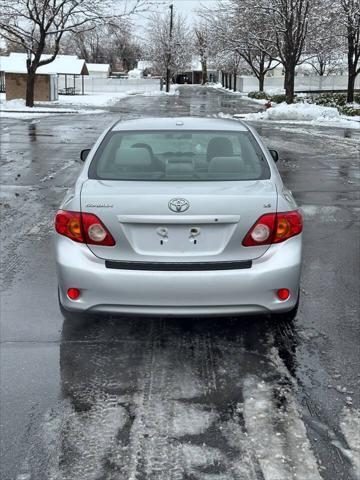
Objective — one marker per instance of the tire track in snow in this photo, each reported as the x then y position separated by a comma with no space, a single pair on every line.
161,420
174,403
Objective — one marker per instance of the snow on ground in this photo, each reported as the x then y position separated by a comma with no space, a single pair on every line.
278,435
72,103
91,100
327,213
108,99
17,109
270,91
218,86
304,112
350,427
260,101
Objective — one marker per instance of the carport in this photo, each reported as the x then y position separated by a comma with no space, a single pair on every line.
70,68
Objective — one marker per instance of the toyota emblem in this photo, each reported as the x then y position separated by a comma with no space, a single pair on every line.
179,205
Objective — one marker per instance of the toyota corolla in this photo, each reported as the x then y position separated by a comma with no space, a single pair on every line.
179,216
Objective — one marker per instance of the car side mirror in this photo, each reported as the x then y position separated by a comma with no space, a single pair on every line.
274,155
84,154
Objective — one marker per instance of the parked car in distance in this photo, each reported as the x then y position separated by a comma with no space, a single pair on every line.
179,216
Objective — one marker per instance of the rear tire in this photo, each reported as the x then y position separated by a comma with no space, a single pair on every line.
286,316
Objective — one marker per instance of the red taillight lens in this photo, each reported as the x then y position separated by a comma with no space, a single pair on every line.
83,228
274,228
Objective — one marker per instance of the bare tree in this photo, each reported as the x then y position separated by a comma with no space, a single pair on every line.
289,20
168,53
239,28
38,26
107,42
202,48
324,46
350,17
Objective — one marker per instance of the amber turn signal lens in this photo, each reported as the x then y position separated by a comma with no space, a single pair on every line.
74,227
283,227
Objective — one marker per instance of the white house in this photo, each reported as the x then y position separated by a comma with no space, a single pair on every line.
98,70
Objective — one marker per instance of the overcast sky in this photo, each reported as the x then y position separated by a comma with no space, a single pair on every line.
189,7
185,7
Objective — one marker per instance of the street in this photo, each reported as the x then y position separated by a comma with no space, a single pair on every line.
192,399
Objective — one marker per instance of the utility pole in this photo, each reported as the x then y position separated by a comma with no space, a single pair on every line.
169,49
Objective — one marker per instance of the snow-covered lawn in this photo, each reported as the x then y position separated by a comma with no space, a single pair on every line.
75,104
109,99
304,113
17,109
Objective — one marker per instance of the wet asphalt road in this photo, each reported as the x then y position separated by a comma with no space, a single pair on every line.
208,399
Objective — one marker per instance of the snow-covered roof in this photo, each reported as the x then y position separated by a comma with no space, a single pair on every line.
98,67
64,64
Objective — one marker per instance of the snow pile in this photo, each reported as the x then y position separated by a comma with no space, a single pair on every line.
135,73
303,112
299,111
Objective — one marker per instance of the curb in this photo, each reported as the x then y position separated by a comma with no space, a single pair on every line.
36,111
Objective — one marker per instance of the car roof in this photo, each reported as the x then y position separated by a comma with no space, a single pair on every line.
180,123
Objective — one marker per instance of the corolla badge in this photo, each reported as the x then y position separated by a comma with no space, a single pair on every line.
179,205
99,205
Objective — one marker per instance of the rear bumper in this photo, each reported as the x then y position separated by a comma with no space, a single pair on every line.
189,293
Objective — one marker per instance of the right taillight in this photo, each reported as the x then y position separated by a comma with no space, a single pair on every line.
83,228
274,228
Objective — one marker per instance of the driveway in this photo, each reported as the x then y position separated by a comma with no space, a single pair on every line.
207,399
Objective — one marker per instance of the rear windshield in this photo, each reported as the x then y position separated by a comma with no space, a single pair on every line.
173,156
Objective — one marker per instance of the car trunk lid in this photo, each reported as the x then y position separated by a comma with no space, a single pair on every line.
141,219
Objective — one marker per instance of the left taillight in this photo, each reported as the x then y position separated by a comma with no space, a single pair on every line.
83,228
274,228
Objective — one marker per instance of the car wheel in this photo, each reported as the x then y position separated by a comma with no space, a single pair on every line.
286,316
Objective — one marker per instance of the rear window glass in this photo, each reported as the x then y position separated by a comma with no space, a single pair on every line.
173,156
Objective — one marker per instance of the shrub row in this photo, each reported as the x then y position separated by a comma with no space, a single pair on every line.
337,100
278,98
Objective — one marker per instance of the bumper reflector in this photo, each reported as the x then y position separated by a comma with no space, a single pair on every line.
283,294
73,293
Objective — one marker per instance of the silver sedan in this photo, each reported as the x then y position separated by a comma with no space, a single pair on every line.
179,216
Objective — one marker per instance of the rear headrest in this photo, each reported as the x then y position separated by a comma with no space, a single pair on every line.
132,157
219,146
226,164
